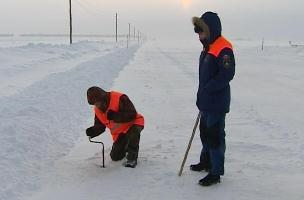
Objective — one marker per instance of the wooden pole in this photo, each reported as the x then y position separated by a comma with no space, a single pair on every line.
116,28
127,41
129,31
138,36
189,144
71,29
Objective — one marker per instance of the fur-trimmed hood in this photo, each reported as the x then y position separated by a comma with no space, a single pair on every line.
210,23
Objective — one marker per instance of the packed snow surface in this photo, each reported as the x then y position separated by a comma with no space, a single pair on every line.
45,153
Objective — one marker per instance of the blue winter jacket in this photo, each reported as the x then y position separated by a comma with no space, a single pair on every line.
215,73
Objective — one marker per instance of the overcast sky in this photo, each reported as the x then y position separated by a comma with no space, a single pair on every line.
280,19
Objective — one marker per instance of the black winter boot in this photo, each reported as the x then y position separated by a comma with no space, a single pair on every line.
130,163
209,180
200,167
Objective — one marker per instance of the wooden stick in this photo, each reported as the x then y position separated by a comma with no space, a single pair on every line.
189,144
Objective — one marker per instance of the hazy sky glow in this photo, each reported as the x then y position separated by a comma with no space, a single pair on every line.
159,18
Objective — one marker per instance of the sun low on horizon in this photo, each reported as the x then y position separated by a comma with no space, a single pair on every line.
186,3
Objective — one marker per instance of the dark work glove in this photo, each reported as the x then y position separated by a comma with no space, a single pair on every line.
111,115
91,132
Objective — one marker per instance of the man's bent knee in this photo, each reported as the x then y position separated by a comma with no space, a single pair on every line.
117,157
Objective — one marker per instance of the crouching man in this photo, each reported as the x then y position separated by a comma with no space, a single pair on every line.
115,111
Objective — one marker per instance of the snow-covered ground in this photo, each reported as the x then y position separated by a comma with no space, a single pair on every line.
23,65
46,155
22,40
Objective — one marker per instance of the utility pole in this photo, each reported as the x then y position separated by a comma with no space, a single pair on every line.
127,41
129,36
134,33
70,1
116,28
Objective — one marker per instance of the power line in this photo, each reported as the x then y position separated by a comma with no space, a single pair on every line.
88,9
93,6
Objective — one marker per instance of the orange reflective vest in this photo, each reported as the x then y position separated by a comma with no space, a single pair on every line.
218,45
116,128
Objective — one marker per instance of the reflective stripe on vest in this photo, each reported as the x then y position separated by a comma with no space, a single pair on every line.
116,128
218,45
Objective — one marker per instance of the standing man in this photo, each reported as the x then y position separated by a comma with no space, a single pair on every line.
216,70
115,111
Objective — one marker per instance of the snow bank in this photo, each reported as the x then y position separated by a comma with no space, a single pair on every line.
40,123
22,66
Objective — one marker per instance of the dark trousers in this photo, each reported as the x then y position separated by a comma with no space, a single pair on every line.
212,133
127,144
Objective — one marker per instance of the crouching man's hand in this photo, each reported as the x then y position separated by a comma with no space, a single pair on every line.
91,132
